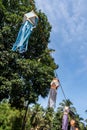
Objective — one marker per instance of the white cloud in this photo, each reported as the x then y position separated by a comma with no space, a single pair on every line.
66,16
69,21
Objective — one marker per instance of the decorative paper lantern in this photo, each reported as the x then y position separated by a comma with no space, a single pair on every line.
65,118
29,22
53,92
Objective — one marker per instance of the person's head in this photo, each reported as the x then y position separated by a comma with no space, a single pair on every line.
72,122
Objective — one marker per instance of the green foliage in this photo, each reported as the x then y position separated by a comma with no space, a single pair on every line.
10,118
37,118
27,76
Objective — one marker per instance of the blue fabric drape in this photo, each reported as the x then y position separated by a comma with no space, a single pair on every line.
21,43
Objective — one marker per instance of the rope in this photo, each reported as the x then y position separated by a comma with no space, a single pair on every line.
63,92
61,87
71,112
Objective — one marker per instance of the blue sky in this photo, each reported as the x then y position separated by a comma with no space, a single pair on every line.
69,39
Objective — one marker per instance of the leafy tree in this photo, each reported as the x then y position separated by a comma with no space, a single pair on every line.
10,118
37,116
57,121
48,119
24,77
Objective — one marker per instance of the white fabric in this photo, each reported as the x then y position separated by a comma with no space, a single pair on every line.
31,16
52,98
66,110
55,82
